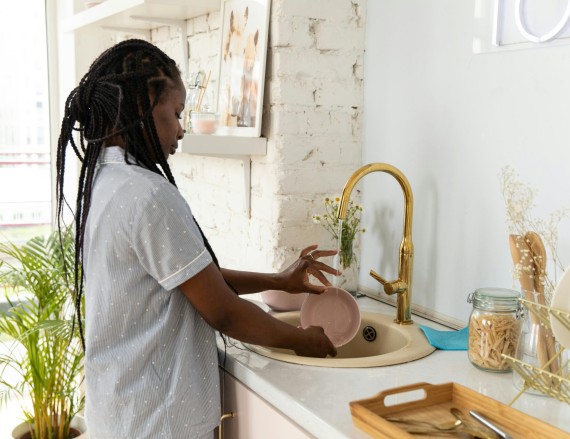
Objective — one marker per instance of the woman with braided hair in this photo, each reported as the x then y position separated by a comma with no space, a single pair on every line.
154,291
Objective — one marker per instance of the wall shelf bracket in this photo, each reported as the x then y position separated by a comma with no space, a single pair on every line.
246,165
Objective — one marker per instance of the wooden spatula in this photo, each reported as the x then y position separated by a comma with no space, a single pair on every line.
539,259
521,254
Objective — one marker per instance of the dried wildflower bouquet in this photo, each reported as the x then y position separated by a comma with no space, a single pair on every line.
535,239
350,228
533,244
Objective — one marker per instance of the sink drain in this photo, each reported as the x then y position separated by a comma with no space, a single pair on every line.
369,333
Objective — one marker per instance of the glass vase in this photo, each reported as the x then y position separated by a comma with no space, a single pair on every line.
348,280
346,262
537,346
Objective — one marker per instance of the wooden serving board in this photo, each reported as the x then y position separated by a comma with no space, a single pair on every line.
370,414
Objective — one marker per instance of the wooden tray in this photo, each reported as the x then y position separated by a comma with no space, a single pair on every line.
369,414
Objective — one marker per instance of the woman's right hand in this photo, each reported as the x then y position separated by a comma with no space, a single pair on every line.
316,344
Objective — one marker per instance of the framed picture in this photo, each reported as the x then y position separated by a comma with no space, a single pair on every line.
244,31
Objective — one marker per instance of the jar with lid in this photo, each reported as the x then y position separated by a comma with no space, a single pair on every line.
495,326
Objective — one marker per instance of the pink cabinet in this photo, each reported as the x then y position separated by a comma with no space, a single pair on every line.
254,418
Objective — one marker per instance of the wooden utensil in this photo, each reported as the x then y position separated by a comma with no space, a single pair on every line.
538,252
521,254
539,260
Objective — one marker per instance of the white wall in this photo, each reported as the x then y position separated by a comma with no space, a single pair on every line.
451,120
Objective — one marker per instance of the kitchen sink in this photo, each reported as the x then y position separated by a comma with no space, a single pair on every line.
379,342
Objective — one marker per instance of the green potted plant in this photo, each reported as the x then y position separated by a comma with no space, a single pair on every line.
41,362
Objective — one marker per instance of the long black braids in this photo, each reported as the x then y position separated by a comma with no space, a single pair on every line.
114,98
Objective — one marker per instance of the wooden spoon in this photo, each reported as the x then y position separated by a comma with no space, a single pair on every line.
539,259
521,254
538,253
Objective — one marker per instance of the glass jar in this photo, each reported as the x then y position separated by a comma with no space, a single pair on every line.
495,326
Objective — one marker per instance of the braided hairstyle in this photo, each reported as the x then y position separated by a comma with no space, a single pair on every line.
113,99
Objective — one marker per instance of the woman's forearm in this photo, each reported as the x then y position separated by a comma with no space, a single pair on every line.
247,282
293,279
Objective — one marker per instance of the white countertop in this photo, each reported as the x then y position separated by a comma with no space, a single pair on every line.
316,398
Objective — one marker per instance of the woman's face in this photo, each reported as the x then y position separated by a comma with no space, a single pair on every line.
167,115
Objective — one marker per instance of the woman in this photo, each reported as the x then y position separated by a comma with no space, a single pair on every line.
154,290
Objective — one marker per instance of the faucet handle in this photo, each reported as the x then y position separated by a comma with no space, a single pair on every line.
390,287
378,277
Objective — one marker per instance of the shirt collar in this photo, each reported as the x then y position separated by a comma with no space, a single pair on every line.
113,154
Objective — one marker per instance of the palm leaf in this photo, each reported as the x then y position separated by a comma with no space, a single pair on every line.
45,349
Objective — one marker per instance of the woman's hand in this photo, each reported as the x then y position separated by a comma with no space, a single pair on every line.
317,345
295,278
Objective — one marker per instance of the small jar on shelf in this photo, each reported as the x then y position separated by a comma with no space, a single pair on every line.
203,122
199,119
495,326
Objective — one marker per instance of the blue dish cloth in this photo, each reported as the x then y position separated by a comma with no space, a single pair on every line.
446,340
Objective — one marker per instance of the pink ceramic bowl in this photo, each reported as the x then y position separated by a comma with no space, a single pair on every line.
279,300
336,311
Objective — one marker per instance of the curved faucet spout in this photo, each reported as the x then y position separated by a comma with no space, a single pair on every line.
403,285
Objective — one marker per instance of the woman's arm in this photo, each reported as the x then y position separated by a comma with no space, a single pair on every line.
294,279
245,321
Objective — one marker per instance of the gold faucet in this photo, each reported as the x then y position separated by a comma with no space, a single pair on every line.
403,285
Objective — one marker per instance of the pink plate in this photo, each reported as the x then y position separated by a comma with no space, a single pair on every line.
336,311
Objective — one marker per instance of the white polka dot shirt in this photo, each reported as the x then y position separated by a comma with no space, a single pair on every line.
151,360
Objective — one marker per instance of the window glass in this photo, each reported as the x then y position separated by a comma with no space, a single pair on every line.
25,171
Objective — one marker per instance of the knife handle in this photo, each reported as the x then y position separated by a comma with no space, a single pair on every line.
489,424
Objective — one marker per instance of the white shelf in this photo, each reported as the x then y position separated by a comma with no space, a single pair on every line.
119,13
217,145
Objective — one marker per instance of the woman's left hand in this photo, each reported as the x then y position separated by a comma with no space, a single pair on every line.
296,276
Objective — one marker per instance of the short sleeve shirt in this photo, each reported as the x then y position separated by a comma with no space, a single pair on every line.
151,360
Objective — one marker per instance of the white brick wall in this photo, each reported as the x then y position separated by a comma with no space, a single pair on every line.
312,115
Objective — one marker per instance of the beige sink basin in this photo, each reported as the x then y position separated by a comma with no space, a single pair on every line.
379,342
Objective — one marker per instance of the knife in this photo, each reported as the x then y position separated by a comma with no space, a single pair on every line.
489,424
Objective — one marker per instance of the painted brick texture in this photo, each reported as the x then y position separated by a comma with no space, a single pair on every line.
312,118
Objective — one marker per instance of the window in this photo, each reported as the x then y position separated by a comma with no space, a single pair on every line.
25,168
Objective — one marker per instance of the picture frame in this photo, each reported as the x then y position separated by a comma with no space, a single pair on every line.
244,26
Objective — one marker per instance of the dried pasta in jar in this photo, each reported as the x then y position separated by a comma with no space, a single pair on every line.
495,326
